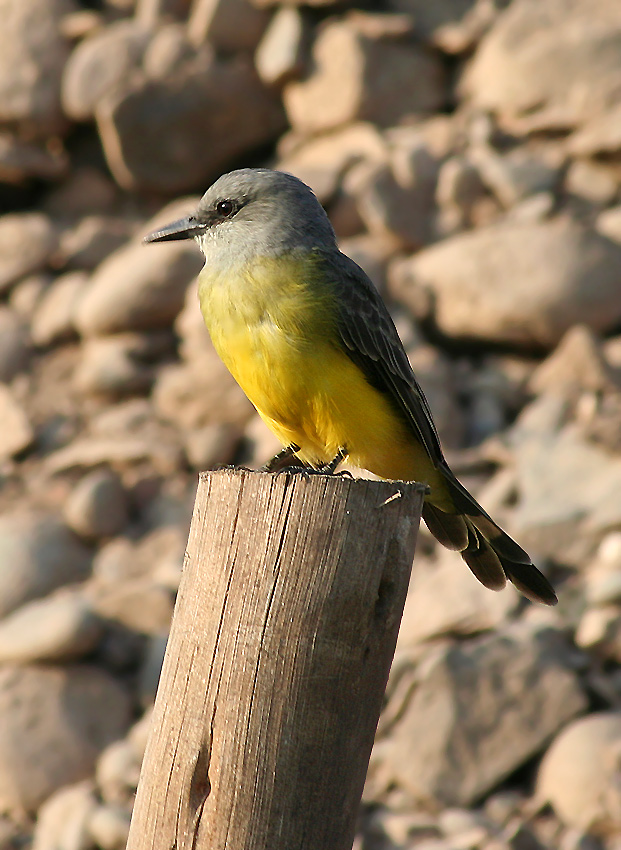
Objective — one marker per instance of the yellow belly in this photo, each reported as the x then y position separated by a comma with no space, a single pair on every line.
309,392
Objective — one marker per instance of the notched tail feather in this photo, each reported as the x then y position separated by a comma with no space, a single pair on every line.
449,529
489,552
483,561
530,581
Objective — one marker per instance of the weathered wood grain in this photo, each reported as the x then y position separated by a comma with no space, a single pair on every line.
283,635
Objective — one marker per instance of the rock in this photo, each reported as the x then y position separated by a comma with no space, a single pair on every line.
212,446
137,288
397,200
122,450
21,160
575,366
491,399
38,553
121,650
62,819
458,191
100,64
86,192
530,71
518,174
599,420
98,506
10,833
120,365
57,628
604,588
280,55
537,207
437,22
321,162
579,775
140,605
455,823
138,735
228,25
608,223
194,340
151,12
567,484
519,283
519,836
118,771
132,580
612,353
503,806
599,630
170,505
399,828
27,241
14,344
16,433
115,562
79,24
66,717
361,77
168,51
131,417
474,716
25,296
199,393
156,555
609,552
445,599
122,435
266,4
53,318
153,131
108,826
601,135
575,839
32,57
92,240
590,182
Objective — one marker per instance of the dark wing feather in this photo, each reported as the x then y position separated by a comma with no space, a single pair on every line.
370,339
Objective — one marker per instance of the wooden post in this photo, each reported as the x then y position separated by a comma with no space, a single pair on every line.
282,639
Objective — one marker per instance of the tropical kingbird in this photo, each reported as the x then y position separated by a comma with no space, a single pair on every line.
310,341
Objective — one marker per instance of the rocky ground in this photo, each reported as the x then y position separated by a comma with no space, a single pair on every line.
469,154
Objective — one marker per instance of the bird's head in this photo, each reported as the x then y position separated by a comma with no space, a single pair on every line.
253,211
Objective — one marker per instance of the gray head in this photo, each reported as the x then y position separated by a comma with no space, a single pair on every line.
253,211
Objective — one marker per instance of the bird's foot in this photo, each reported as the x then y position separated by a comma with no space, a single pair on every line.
279,464
330,467
281,461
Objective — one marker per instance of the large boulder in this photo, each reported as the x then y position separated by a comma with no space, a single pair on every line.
523,283
548,65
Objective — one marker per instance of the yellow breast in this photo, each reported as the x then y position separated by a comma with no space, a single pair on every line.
274,326
269,325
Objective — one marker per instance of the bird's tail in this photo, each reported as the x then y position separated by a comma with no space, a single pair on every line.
491,554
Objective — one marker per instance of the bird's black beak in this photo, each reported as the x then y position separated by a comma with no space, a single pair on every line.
184,228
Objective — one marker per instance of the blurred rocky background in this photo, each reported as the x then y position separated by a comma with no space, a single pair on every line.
469,154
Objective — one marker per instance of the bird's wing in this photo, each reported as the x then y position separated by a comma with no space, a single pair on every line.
369,337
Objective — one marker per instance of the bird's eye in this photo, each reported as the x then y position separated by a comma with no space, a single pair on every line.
224,208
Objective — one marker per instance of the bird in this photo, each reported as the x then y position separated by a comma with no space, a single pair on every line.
310,341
